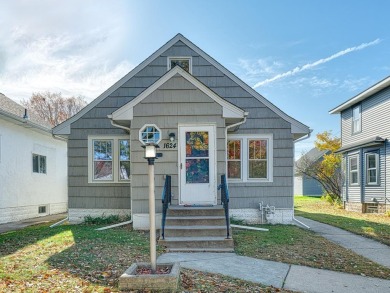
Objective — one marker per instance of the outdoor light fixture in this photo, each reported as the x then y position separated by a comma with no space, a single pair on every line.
150,151
172,137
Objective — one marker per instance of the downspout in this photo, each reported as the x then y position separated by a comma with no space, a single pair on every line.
293,215
128,129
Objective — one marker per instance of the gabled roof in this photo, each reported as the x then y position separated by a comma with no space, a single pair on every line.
296,126
126,111
313,155
362,96
14,112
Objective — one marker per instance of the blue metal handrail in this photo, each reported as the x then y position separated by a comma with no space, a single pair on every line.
225,202
166,198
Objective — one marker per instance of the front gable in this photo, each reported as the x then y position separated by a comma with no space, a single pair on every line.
206,70
126,112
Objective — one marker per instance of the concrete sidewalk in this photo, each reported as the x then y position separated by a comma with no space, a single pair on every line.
12,226
366,247
269,273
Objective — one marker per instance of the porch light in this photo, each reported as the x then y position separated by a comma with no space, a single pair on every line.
150,151
172,137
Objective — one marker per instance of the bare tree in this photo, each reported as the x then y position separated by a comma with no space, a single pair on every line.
53,107
328,170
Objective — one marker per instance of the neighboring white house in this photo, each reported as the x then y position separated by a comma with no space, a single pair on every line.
33,166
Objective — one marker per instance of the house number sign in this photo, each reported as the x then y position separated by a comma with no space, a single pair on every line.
170,145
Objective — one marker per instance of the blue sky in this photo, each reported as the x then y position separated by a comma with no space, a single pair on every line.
306,57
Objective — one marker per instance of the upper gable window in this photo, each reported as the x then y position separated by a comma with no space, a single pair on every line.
183,62
356,119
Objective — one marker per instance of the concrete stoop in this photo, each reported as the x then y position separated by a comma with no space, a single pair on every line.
196,229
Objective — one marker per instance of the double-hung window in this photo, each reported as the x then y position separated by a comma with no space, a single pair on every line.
108,159
357,119
353,170
372,168
249,158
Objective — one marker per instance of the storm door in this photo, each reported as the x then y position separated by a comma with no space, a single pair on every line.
197,165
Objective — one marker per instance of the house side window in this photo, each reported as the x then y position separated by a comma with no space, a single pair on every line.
356,119
372,164
249,158
124,159
183,62
102,160
354,170
108,159
234,159
39,163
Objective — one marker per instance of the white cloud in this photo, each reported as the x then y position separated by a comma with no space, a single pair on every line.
316,63
47,46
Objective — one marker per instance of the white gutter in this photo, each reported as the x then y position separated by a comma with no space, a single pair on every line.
117,125
306,136
24,121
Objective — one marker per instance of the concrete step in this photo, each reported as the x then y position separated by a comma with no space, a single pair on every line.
195,231
197,243
175,211
195,220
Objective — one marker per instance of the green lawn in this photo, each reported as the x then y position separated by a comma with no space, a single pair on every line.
76,258
374,226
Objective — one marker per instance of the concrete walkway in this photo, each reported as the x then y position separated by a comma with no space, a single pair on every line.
7,227
368,248
292,277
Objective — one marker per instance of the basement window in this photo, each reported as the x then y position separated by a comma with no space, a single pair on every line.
42,210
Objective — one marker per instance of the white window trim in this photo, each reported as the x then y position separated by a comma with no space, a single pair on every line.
354,119
115,159
241,160
357,170
189,58
245,157
376,168
148,125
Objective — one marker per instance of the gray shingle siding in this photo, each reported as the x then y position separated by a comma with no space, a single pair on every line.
260,120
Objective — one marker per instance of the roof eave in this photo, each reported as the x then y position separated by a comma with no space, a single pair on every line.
24,122
362,96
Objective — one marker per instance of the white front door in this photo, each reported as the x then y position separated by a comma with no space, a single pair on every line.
197,166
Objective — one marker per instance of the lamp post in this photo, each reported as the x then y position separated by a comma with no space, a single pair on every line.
151,155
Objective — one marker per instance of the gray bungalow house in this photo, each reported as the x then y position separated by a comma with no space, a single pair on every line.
207,123
365,129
